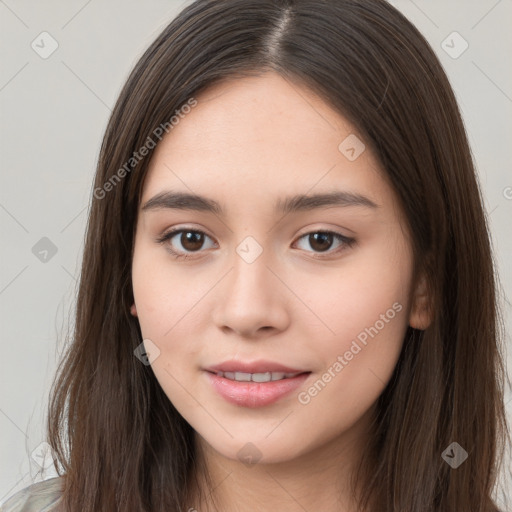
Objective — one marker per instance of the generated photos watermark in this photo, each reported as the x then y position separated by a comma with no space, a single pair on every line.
150,143
343,360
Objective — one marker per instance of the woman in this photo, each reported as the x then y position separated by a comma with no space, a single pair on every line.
287,296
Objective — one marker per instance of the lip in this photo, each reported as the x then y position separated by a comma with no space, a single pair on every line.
254,394
261,366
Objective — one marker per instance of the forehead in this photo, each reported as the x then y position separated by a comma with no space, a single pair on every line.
260,137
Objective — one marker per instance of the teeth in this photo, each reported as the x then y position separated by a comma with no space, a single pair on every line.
263,377
244,377
256,377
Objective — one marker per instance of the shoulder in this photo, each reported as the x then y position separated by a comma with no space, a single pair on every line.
39,497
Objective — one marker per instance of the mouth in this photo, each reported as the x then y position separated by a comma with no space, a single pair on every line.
255,388
257,377
253,368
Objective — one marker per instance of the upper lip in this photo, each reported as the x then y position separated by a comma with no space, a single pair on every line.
252,367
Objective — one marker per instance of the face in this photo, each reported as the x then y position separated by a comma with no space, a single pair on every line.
315,297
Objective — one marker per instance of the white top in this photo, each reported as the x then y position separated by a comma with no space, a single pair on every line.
39,497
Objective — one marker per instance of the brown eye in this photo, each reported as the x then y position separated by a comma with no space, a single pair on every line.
190,240
322,241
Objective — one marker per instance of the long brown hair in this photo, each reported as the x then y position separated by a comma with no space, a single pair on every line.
117,437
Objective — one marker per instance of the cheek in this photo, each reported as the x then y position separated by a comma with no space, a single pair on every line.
164,294
356,362
364,320
165,308
170,308
367,293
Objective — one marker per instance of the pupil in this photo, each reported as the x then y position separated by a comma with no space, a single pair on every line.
191,240
323,238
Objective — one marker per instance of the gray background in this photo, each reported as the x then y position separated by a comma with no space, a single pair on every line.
54,112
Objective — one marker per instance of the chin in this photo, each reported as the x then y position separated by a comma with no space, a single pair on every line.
258,451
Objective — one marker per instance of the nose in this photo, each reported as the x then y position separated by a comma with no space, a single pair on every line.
252,299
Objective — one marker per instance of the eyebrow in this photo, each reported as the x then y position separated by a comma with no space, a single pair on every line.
296,203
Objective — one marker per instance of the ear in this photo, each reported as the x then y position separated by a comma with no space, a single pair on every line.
133,310
421,308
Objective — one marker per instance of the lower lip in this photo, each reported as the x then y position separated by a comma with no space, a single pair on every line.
255,394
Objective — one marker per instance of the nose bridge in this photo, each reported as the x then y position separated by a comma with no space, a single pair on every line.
250,272
250,297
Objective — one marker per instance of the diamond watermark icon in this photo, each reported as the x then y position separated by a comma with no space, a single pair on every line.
454,45
351,147
44,250
146,352
42,455
249,249
44,45
249,455
454,455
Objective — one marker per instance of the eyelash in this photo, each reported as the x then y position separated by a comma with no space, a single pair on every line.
346,241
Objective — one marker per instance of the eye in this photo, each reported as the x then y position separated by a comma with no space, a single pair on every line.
191,240
322,241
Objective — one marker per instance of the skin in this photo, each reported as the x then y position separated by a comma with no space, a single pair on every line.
247,143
